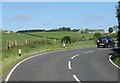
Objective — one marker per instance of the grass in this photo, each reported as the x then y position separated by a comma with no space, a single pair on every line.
38,43
20,38
117,61
0,64
60,35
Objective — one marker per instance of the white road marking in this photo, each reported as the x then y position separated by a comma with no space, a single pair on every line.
9,74
74,56
76,78
113,62
69,65
88,52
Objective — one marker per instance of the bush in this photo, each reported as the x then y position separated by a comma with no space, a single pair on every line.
74,38
91,38
114,35
33,44
66,39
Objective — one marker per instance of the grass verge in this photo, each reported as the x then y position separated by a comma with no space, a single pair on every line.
116,60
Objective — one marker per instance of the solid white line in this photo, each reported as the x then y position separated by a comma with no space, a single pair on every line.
74,56
113,62
69,65
88,52
76,78
9,74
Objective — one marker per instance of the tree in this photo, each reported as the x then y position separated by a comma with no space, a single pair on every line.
115,28
118,18
110,30
86,30
66,39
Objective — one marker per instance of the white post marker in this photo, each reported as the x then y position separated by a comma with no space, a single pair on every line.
19,52
64,45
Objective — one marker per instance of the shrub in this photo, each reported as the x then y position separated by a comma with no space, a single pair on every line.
91,38
74,38
114,35
33,44
66,39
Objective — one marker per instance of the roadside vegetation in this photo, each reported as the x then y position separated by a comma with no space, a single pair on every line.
117,59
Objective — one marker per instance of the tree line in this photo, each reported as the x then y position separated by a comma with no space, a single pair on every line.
43,30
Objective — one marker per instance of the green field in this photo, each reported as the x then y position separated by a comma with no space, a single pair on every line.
21,38
38,42
60,35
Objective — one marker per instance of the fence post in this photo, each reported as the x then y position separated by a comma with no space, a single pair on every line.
8,44
54,41
26,41
15,42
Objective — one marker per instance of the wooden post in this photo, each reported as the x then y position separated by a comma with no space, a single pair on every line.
15,42
26,41
8,44
54,41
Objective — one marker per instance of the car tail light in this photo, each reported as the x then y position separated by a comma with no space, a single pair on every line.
98,41
107,40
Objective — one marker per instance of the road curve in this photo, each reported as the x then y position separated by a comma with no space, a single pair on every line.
90,64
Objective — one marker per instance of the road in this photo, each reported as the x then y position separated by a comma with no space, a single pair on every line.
83,65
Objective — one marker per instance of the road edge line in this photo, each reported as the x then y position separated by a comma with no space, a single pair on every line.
113,62
11,71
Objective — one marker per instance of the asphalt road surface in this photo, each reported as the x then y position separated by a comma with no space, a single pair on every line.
90,64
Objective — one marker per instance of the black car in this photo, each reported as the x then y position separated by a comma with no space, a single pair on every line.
105,41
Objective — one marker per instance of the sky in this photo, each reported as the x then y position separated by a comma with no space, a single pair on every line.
51,15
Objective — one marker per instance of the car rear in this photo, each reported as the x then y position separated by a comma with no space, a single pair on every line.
102,41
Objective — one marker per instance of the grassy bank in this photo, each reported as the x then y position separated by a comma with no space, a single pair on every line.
117,59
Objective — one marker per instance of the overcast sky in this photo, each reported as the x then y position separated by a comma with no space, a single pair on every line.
51,15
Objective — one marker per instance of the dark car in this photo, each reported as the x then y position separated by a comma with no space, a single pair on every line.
105,41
